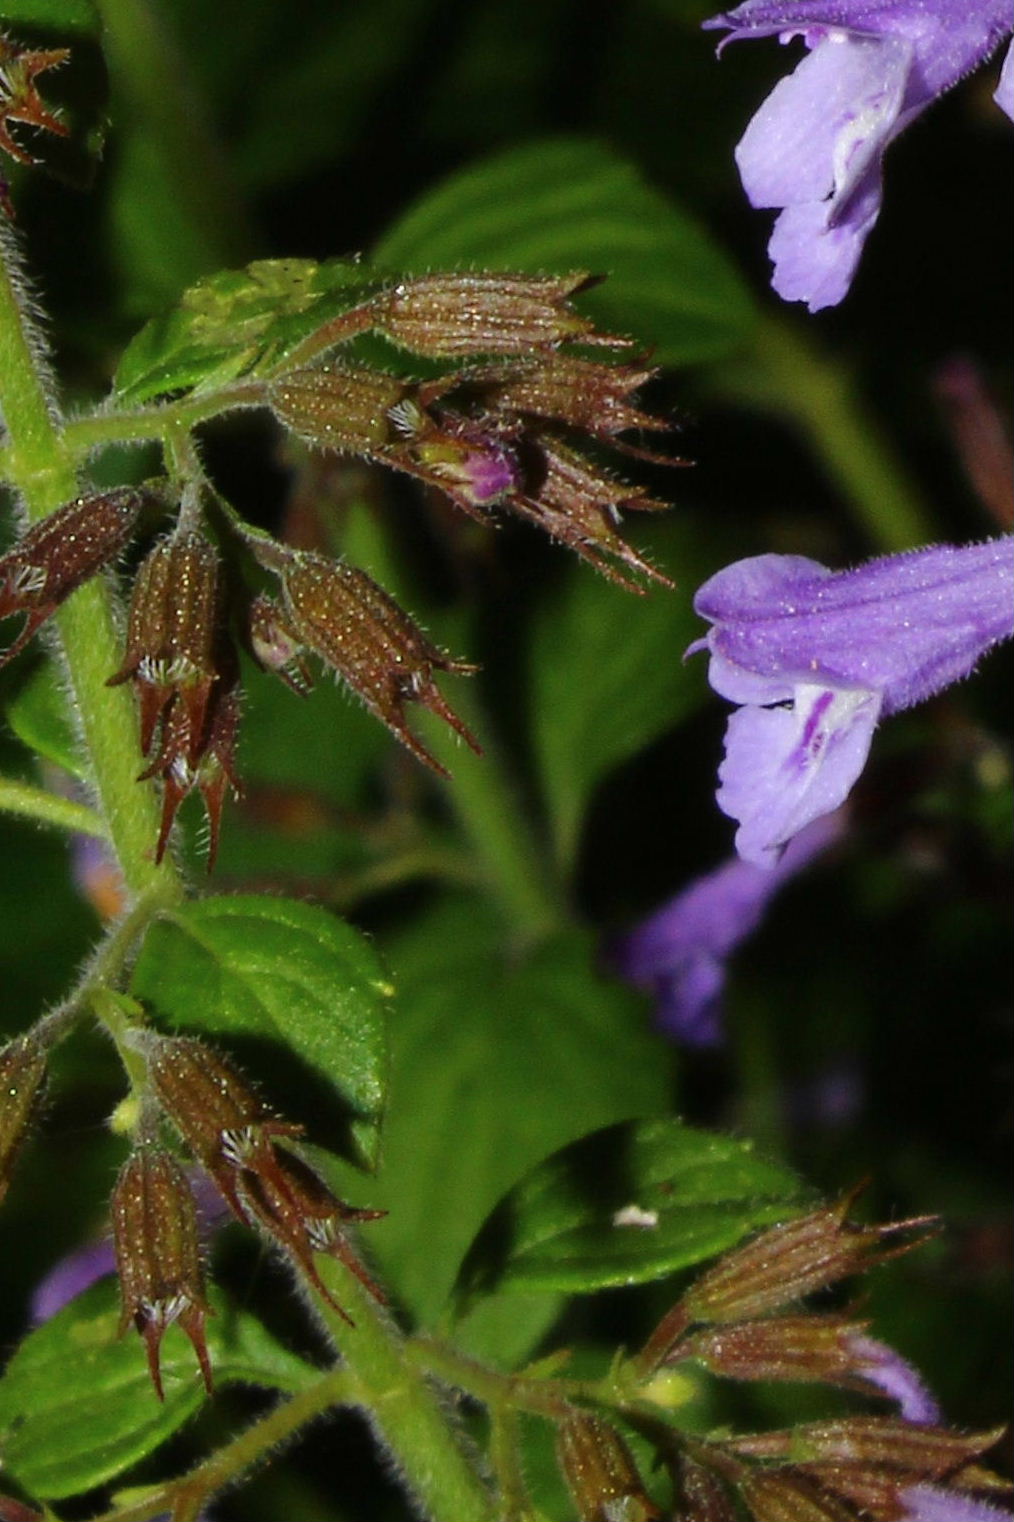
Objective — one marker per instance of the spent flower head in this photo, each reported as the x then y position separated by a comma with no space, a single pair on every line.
158,1255
234,1136
59,554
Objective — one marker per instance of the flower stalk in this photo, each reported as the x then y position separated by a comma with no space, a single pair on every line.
41,470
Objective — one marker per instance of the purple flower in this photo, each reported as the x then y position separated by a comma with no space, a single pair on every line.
680,952
895,1376
935,1503
70,1277
816,146
817,657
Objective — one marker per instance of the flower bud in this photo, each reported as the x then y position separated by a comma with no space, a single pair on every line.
276,646
871,1463
445,316
338,406
351,623
22,1075
789,1261
601,1473
60,553
158,1255
469,461
232,1135
173,634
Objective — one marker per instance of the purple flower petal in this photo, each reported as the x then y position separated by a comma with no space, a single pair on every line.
815,259
907,625
1004,95
680,951
818,130
895,1376
785,767
817,657
934,1503
70,1277
815,146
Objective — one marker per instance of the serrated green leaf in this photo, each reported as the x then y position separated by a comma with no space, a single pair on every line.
281,969
496,1061
569,203
38,716
61,15
77,1405
607,677
238,322
627,1205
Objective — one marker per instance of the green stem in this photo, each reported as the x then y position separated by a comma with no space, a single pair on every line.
32,802
84,434
188,1495
786,372
105,970
42,471
403,1407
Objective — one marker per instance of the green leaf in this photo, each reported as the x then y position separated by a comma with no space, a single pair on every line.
61,15
497,1060
238,322
607,677
77,1405
38,716
626,1205
277,968
569,203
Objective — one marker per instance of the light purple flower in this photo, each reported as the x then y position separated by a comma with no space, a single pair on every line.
70,1277
935,1503
680,952
817,657
815,148
895,1376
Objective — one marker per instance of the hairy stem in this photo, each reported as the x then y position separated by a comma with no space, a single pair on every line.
402,1406
41,471
31,802
188,1495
